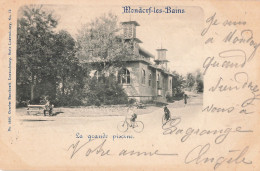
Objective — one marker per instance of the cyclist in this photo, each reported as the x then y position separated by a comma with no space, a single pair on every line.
133,118
133,115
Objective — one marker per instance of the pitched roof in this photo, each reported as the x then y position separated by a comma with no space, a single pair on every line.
145,53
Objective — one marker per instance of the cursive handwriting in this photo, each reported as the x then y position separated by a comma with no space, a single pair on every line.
250,101
212,108
211,21
245,37
125,152
198,155
240,81
219,63
100,150
221,134
232,37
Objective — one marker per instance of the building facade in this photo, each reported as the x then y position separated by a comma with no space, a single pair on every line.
143,77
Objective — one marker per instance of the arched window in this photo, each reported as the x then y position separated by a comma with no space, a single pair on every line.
124,76
99,76
150,79
143,76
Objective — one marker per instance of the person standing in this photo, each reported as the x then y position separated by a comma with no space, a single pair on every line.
185,98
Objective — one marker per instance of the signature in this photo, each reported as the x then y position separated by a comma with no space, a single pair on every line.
198,155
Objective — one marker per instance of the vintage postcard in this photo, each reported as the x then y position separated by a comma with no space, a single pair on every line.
130,85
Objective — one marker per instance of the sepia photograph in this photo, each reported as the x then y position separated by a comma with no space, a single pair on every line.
100,68
138,85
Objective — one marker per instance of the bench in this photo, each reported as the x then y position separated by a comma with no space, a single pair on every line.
38,109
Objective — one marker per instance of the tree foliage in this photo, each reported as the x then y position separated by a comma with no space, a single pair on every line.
100,45
107,92
46,63
178,84
100,41
199,82
34,49
194,81
190,81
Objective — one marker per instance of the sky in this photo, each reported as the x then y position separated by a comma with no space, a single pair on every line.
178,33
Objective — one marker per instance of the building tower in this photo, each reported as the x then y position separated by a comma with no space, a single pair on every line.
161,58
129,28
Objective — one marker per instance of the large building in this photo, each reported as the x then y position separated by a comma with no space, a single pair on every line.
144,77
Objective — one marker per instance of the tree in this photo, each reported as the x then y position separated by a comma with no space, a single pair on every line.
194,81
101,47
199,82
109,93
69,74
46,60
100,41
190,81
34,48
178,83
65,62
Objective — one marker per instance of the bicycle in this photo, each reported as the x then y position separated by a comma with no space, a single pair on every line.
137,126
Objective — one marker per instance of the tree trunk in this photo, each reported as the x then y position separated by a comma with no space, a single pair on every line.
63,86
32,88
